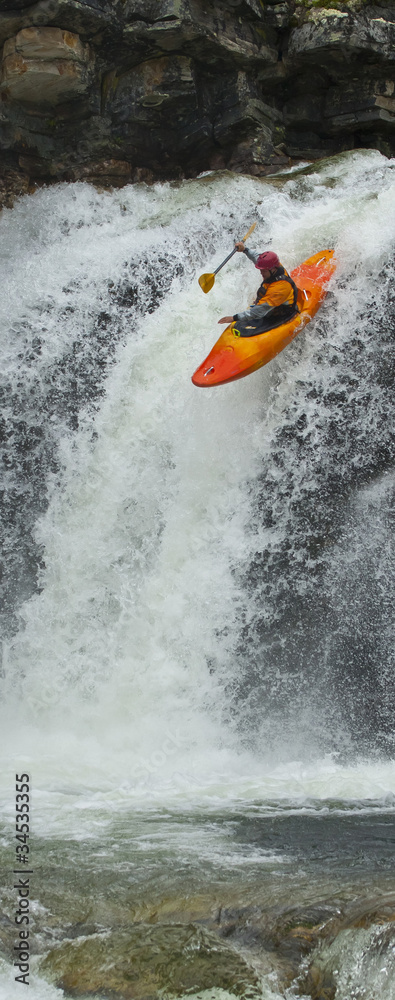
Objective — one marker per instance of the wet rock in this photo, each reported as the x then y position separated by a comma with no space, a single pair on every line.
7,936
13,184
291,932
258,156
288,936
137,962
104,173
358,963
189,943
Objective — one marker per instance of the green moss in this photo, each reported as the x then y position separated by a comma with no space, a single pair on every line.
346,6
109,85
261,32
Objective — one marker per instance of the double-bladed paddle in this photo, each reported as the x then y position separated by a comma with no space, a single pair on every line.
206,281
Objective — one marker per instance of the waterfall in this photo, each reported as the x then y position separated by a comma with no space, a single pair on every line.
198,584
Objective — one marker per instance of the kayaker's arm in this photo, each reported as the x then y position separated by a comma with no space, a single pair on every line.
248,314
254,312
251,254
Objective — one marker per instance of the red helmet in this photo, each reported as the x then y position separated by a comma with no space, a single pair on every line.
266,261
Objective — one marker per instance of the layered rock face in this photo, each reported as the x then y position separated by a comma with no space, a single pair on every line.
146,89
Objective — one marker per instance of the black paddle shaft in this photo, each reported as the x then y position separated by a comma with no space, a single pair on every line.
225,261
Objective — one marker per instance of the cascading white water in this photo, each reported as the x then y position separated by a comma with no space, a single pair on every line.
197,583
122,670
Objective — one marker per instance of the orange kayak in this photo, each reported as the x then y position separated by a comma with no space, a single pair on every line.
234,357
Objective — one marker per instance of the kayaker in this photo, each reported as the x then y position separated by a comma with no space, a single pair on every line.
276,299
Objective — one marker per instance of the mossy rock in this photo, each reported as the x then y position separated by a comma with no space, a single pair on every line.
137,962
346,6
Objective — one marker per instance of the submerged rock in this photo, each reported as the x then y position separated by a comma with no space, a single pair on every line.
360,962
187,946
137,962
307,945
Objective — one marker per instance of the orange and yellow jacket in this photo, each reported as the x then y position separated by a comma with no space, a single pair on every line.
275,299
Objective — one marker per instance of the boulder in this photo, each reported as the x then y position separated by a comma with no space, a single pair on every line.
339,35
103,173
85,17
45,66
209,34
138,962
366,102
238,110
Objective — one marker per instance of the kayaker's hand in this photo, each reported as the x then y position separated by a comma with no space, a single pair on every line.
240,246
226,319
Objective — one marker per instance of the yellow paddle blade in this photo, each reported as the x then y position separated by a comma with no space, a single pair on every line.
251,230
206,282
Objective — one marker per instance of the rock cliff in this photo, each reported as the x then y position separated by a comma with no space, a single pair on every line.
146,89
